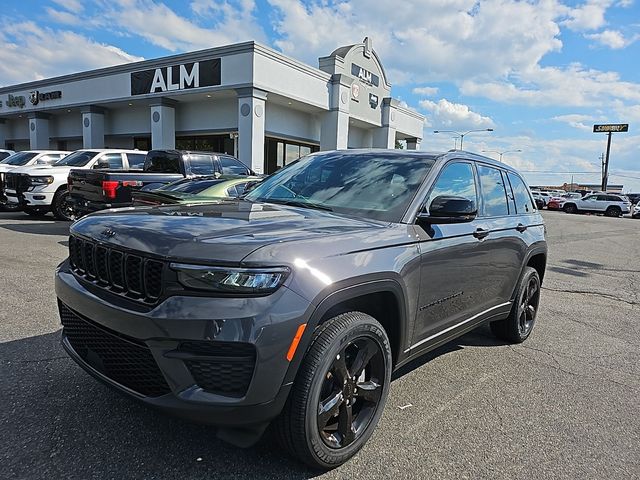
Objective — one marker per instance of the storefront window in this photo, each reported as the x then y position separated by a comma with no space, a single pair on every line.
279,153
206,143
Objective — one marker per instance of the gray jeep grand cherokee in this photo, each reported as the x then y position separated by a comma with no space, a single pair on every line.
296,303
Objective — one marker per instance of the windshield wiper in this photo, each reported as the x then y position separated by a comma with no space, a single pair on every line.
298,203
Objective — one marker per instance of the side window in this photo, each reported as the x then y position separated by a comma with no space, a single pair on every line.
136,160
240,187
201,164
494,197
602,198
232,192
114,160
455,180
231,166
524,204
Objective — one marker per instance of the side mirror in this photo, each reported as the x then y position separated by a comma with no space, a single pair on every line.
449,209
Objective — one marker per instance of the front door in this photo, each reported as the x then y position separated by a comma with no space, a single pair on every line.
451,267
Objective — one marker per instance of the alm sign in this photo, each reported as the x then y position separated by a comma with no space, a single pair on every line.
176,77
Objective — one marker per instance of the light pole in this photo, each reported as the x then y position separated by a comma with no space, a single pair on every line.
501,153
462,134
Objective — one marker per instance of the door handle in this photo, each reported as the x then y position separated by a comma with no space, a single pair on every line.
480,233
521,228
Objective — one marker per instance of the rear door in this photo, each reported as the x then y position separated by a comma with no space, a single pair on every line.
233,166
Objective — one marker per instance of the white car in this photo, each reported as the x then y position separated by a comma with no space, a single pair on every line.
40,189
557,202
5,153
544,196
609,204
635,213
25,159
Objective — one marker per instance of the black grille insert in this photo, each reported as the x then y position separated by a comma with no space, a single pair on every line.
224,368
134,276
122,359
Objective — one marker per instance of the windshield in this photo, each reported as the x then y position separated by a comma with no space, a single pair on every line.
191,186
19,159
368,185
76,159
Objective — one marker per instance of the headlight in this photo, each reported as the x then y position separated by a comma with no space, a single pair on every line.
42,180
256,281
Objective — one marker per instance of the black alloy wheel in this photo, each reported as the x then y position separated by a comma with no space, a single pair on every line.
528,307
613,212
517,327
339,392
351,392
570,208
62,207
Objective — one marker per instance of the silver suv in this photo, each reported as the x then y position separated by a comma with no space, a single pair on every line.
609,204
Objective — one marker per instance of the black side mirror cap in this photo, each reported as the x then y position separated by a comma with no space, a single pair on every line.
449,209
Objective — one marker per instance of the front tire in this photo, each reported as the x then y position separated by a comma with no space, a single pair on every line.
517,327
339,392
570,208
613,212
61,207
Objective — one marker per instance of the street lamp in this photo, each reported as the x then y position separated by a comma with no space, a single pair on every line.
462,134
501,153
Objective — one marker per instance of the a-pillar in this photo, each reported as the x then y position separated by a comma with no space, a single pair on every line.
334,134
38,131
92,127
251,120
413,143
385,136
163,124
3,133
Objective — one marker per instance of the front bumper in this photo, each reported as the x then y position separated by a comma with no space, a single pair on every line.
268,324
38,199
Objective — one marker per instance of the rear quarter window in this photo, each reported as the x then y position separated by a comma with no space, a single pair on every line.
162,162
524,203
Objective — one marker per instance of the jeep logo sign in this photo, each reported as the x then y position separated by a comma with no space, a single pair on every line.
176,77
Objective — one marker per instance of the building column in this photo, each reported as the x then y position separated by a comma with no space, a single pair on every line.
163,124
385,136
92,127
251,120
38,131
334,133
3,133
413,143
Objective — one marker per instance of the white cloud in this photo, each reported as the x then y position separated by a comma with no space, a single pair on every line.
223,22
72,53
576,120
613,39
74,6
455,115
425,91
63,17
588,16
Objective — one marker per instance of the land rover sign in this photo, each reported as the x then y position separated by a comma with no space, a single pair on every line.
612,127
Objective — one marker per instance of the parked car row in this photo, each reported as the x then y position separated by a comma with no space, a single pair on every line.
609,204
70,185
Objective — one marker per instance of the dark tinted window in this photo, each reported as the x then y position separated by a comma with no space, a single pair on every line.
113,159
4,155
76,159
136,160
456,180
192,186
494,197
521,195
371,185
602,198
614,198
18,159
162,162
201,164
232,192
231,166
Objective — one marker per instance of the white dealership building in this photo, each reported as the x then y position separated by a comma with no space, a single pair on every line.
244,99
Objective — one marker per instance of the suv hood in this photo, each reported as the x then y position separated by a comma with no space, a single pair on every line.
223,232
43,170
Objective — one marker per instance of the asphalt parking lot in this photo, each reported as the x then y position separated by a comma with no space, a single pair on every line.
564,404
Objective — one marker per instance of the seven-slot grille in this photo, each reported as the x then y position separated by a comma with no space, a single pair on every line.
127,274
124,360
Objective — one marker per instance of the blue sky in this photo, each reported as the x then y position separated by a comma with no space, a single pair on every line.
539,72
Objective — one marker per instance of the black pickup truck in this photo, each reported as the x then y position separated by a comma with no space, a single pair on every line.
92,190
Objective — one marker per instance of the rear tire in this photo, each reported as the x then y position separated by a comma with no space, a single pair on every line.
61,207
570,208
613,212
517,327
332,394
